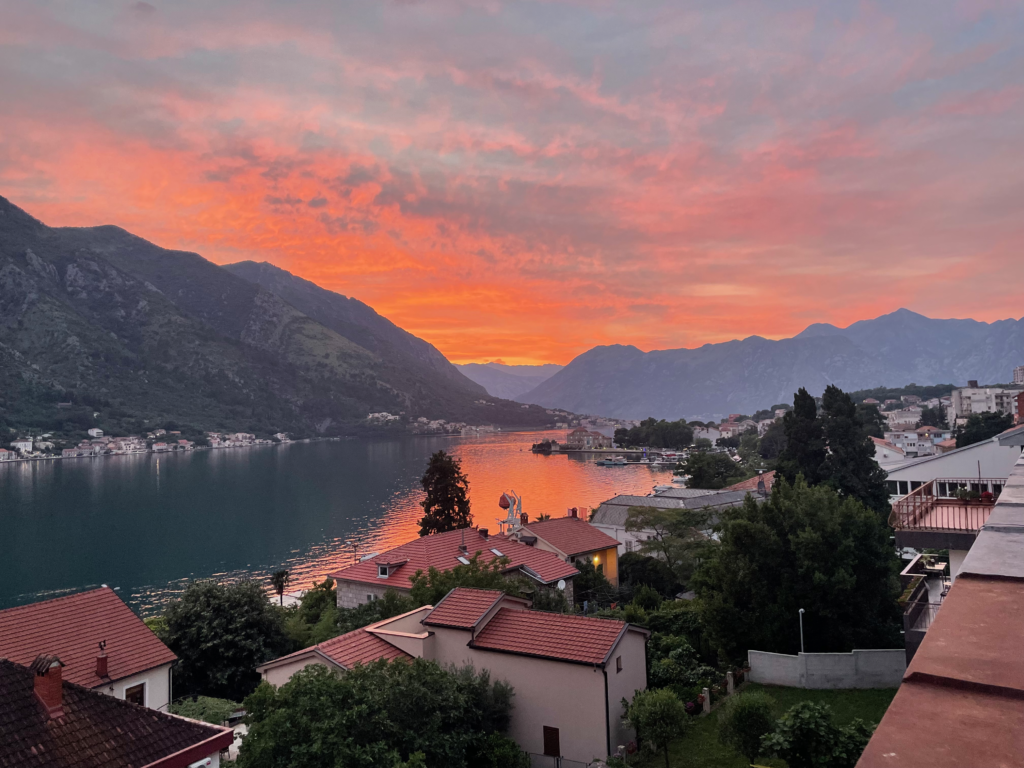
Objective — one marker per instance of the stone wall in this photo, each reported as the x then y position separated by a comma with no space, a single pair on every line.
352,594
857,669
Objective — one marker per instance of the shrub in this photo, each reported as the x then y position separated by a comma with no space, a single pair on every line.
807,737
747,717
647,598
658,717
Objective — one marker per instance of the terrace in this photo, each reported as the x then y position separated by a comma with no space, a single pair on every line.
945,513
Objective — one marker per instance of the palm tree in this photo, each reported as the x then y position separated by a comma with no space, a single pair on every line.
280,580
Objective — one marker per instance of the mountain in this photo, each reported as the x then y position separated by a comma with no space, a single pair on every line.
411,357
141,335
742,376
508,381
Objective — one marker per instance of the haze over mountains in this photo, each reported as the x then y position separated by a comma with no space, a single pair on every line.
508,381
741,376
97,315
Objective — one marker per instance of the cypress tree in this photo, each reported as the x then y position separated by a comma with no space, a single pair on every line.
446,506
850,465
804,453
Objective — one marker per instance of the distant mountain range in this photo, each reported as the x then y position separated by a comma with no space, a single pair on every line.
742,376
101,318
508,381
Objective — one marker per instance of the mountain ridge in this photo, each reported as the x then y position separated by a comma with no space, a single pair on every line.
508,381
742,375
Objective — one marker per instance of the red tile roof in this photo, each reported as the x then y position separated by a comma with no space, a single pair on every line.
356,647
95,731
886,444
462,608
72,627
751,484
550,635
441,551
571,535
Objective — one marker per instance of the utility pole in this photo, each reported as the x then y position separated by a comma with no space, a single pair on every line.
801,630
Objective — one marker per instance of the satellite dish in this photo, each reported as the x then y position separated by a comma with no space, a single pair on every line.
561,584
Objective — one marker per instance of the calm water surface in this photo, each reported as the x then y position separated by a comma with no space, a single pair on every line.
148,524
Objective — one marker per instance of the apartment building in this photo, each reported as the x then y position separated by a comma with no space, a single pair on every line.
974,399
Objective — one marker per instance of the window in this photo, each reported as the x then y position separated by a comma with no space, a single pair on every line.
371,598
496,552
618,664
382,571
629,545
462,560
136,694
551,747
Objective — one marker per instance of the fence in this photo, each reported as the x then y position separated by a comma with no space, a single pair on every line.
547,761
934,506
857,669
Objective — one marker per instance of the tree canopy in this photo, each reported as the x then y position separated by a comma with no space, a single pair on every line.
981,427
381,714
446,505
652,433
804,451
220,632
850,465
806,736
658,717
712,470
803,547
677,537
934,417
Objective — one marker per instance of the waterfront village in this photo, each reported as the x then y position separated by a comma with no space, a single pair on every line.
623,635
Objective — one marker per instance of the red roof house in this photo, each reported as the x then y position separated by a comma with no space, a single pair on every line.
369,579
752,483
48,722
570,673
573,538
132,662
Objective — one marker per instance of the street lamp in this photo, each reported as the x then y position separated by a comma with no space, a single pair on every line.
801,630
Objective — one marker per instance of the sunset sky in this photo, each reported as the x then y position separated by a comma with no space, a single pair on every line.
525,180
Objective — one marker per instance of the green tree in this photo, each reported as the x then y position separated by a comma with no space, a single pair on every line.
677,536
803,547
380,714
637,569
658,717
220,632
591,585
430,586
850,465
446,506
933,417
871,419
804,452
808,737
747,717
773,442
653,433
981,427
204,708
279,580
712,470
703,444
750,450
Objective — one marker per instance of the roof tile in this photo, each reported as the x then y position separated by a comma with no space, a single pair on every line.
550,635
72,627
571,535
462,608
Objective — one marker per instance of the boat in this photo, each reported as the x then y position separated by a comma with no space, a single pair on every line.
614,461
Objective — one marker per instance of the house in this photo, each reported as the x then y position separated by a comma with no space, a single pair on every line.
371,577
903,418
961,701
95,432
574,539
131,663
6,455
582,438
48,722
918,441
570,673
160,447
1018,374
707,433
887,453
871,401
985,459
22,445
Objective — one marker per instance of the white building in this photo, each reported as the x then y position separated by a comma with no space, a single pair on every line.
985,459
6,455
919,441
974,399
887,454
1018,374
708,433
22,445
95,432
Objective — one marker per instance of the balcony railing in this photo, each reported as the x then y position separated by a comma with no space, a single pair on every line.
935,506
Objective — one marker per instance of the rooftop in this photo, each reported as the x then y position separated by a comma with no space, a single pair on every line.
72,628
614,511
95,730
751,483
556,636
442,551
463,608
360,646
571,535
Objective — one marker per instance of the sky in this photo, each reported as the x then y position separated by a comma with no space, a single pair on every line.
526,180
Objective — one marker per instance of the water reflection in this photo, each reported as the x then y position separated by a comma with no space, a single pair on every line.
149,523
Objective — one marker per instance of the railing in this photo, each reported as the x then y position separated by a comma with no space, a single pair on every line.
547,761
920,616
934,507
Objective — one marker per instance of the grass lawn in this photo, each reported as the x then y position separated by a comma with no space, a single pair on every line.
700,747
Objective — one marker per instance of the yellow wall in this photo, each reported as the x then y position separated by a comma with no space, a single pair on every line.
608,559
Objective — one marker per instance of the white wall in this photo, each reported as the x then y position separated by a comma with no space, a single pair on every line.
956,561
882,668
621,535
996,461
158,687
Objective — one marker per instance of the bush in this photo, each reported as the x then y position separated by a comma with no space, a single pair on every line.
673,664
205,708
647,598
747,717
807,737
636,569
658,717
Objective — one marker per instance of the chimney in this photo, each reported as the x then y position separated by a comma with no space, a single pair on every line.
463,549
484,532
48,684
101,660
574,512
523,518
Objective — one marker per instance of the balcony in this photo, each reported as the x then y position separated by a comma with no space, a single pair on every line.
945,513
925,587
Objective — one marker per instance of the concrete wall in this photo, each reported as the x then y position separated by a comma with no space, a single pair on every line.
858,669
158,687
622,685
279,675
996,461
956,561
352,594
